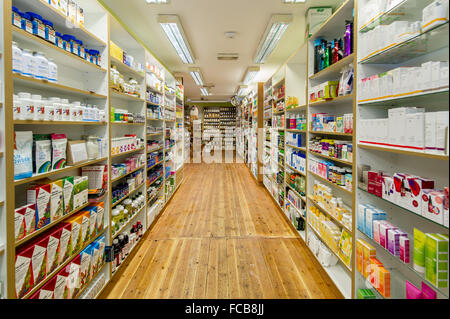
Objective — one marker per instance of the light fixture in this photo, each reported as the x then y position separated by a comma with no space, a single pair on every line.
275,30
204,91
251,74
197,76
294,1
156,1
171,25
242,90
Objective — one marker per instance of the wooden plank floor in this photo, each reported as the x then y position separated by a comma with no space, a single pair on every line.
221,237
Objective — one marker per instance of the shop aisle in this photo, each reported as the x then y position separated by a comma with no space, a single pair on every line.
221,236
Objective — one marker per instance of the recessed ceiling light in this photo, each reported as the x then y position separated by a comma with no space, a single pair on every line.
171,25
275,30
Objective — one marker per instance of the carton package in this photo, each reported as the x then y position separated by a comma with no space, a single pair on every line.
85,229
65,242
53,249
25,221
46,292
61,290
92,221
39,259
97,176
75,223
56,198
73,279
40,195
81,191
24,271
86,264
419,251
436,260
68,185
433,205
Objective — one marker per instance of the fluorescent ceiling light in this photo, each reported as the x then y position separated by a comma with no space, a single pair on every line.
273,34
157,1
251,74
197,76
205,91
294,1
242,90
171,25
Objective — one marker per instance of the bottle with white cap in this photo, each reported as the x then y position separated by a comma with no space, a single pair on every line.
65,110
27,106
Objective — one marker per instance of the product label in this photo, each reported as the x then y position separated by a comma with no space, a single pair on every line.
85,263
41,30
17,21
56,201
30,217
17,61
42,204
38,263
42,68
60,287
52,257
68,196
84,230
76,228
23,275
19,227
73,281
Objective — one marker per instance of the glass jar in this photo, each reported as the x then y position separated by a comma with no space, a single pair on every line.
116,218
27,25
128,205
41,63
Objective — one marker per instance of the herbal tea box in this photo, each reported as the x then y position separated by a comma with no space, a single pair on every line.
65,243
81,188
53,250
75,223
56,198
86,264
68,184
39,260
419,251
85,229
19,223
24,271
61,290
73,279
40,195
92,221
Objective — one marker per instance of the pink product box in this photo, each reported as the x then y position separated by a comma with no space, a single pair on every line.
433,205
394,241
404,249
446,206
384,228
414,192
374,183
376,230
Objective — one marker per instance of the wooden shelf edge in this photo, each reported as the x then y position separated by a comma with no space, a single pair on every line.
328,213
404,152
335,67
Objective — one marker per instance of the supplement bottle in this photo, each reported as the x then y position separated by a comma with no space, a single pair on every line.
27,106
41,66
17,58
28,64
52,71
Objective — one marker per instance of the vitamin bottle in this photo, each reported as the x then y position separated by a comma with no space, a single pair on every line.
52,71
41,66
29,67
27,106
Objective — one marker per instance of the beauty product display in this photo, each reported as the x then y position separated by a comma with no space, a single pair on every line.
383,37
339,149
408,128
341,176
402,81
130,164
41,257
34,107
323,196
326,53
324,122
413,193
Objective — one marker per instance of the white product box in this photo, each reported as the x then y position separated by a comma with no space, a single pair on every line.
436,73
434,14
397,124
444,77
441,130
388,188
427,80
316,16
63,7
415,130
397,75
430,131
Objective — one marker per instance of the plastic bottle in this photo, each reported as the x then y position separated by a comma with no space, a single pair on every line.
65,110
38,25
41,63
17,108
348,38
29,67
50,34
56,103
49,110
39,107
27,106
17,55
52,71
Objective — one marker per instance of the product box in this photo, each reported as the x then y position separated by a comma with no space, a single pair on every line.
97,176
368,252
53,250
80,15
415,131
414,192
76,152
65,242
373,272
63,6
80,191
39,259
46,292
359,255
385,282
366,294
430,131
419,251
428,292
371,216
72,11
376,230
434,14
384,228
374,183
442,124
387,188
412,292
25,221
40,195
116,51
433,205
436,260
74,277
56,198
92,221
61,290
404,249
101,250
95,258
76,233
24,271
315,17
361,217
68,186
446,206
85,229
86,264
394,241
100,209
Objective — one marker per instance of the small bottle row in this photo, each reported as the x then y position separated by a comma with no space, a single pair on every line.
121,214
128,143
332,89
33,107
342,150
34,64
119,84
341,176
124,244
123,116
296,122
324,122
122,190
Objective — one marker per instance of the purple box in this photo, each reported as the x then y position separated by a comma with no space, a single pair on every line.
404,249
394,241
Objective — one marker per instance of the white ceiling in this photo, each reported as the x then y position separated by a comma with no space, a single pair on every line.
205,23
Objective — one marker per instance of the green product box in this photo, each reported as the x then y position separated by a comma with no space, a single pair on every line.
68,184
419,251
436,260
366,294
80,191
